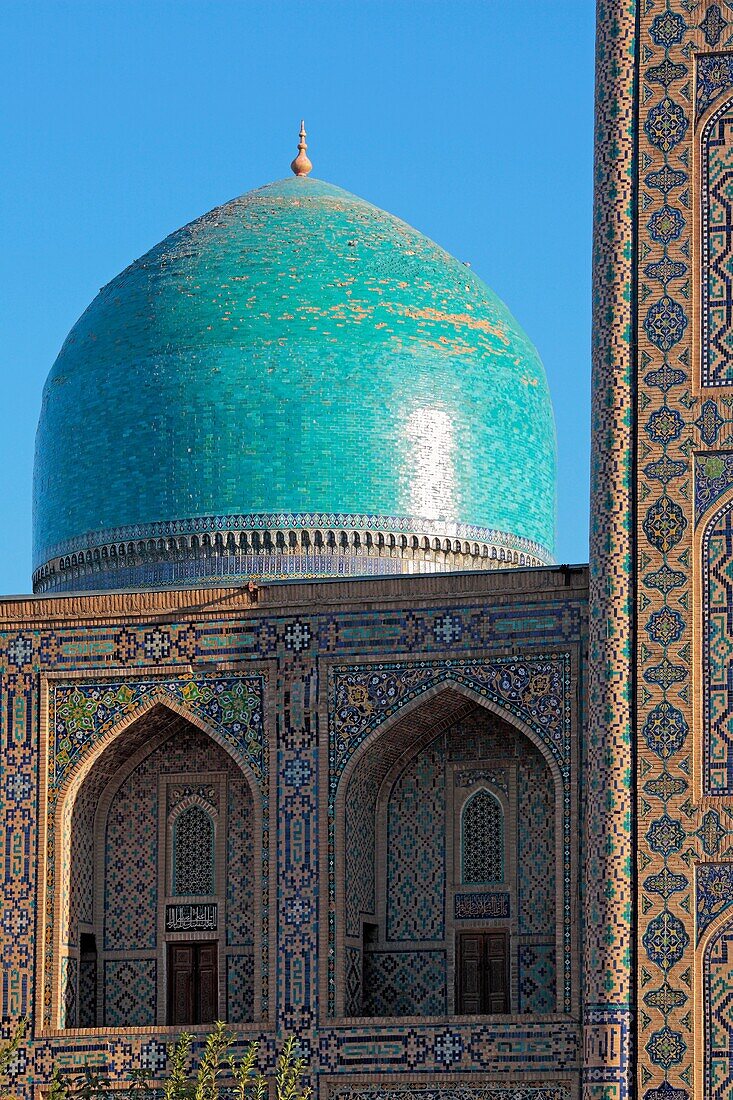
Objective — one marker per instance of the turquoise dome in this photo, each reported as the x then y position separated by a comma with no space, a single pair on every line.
295,374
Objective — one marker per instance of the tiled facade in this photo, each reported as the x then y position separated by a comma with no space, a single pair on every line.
267,709
348,724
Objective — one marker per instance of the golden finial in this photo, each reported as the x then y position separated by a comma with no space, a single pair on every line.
301,166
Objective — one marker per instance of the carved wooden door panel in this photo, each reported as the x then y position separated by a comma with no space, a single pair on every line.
207,984
180,983
193,986
482,973
496,992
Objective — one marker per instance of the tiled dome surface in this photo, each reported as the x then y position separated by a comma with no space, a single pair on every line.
295,359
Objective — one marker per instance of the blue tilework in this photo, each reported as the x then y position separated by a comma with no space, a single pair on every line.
69,990
536,978
240,863
353,992
536,839
360,846
365,696
299,647
240,988
416,1091
416,850
714,73
131,862
713,893
87,992
717,213
81,887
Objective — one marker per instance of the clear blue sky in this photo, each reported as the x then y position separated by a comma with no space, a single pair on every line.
470,119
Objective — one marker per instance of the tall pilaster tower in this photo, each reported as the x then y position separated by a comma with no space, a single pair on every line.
661,737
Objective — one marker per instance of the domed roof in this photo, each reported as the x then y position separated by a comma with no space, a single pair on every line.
300,364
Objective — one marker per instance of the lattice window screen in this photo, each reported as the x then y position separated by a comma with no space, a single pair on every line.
193,853
482,840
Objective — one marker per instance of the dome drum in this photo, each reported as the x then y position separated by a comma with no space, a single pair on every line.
211,552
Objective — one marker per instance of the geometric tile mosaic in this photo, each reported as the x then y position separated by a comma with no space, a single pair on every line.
69,986
353,998
713,893
131,862
130,992
360,850
716,165
416,851
404,983
536,963
193,853
84,712
665,75
240,988
482,839
240,862
536,893
454,1092
363,698
87,993
717,654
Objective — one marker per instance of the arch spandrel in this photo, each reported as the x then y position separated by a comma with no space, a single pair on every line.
84,714
531,693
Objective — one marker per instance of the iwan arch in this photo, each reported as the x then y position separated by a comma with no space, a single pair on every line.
128,785
304,727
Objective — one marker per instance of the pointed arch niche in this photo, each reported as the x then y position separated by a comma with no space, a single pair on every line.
714,1020
406,910
160,818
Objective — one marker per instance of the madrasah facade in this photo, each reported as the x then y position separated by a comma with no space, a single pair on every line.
304,728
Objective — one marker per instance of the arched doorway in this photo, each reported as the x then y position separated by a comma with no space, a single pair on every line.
452,890
157,917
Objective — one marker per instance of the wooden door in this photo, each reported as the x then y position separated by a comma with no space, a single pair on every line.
207,986
180,983
193,987
496,991
482,973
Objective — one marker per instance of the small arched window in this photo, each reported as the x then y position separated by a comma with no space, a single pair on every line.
193,853
482,840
